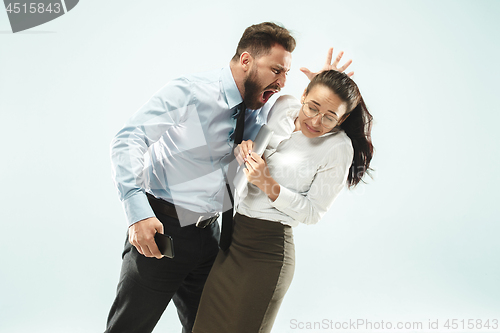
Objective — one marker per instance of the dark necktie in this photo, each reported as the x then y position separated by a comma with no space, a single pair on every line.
227,215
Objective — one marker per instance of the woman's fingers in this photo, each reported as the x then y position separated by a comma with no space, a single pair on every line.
307,72
250,163
246,147
242,151
255,160
329,56
337,59
344,67
252,169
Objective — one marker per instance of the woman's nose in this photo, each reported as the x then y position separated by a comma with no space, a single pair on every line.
317,120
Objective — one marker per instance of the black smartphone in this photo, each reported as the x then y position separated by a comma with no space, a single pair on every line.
165,244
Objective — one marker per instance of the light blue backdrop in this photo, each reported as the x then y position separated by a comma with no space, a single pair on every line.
419,243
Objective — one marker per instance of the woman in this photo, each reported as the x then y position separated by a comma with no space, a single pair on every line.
318,146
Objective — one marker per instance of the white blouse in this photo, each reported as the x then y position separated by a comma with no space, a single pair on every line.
311,171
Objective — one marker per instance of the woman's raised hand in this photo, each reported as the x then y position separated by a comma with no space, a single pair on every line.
329,65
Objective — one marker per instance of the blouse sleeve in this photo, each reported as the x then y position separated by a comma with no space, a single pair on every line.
309,207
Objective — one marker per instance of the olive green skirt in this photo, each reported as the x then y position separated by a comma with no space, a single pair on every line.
247,283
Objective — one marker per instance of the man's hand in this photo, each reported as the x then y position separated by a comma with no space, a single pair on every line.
141,235
328,65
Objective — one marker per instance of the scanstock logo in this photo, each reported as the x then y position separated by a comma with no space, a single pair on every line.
24,15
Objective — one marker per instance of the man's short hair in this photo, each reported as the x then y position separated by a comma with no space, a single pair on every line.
258,39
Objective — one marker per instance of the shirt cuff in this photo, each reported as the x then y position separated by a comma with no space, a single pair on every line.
137,208
283,200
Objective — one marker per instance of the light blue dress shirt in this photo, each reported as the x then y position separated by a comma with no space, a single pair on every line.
173,146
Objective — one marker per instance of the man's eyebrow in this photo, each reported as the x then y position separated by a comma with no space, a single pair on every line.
281,68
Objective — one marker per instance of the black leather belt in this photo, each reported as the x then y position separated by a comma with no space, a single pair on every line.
167,208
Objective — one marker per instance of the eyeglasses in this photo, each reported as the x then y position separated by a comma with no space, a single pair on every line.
310,111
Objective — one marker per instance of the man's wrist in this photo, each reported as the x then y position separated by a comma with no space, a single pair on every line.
137,208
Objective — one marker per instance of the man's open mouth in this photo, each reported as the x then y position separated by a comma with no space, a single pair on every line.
267,94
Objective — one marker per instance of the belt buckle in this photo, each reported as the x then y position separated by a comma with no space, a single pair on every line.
205,223
201,223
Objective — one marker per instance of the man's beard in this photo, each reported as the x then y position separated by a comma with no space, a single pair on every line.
252,91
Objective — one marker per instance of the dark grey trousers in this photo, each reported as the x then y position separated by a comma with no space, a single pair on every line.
147,285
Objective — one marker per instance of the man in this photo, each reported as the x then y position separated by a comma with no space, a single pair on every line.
186,131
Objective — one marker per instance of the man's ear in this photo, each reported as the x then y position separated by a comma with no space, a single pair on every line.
246,60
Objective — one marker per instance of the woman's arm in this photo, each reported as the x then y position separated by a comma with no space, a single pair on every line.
307,207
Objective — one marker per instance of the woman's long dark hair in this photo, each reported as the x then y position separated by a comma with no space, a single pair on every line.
356,123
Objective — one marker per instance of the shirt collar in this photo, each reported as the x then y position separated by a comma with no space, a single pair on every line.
233,95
